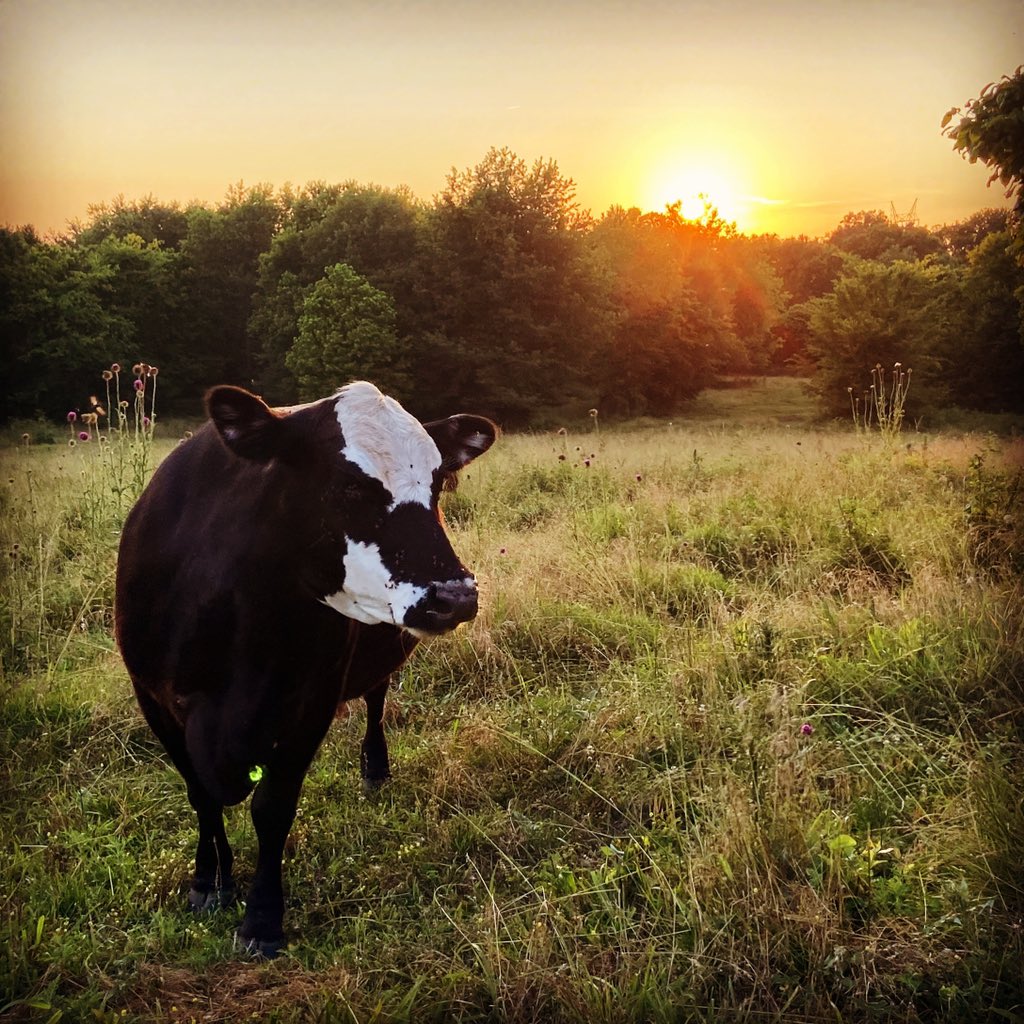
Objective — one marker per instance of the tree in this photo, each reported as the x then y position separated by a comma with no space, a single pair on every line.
346,332
988,361
223,249
375,231
884,313
872,235
807,268
963,236
991,129
144,285
148,218
518,312
59,332
672,329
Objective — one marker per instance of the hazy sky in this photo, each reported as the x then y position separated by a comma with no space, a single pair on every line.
788,114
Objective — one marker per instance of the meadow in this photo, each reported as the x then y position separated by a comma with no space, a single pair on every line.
737,735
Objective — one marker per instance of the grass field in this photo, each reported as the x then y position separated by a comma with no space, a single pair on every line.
737,735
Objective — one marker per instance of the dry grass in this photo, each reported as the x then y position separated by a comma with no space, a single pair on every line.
736,735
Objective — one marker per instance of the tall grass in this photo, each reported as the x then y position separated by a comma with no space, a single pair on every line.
62,514
736,735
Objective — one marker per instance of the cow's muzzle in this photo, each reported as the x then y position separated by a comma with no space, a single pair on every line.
445,606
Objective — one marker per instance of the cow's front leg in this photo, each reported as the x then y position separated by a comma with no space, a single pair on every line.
273,810
373,761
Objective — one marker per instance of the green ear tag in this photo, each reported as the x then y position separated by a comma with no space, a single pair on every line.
256,773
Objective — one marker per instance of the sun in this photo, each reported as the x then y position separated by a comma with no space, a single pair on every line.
694,185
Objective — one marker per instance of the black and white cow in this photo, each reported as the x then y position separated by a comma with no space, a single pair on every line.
279,561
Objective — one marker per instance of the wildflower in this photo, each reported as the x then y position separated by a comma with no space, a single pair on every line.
154,370
115,367
137,369
145,421
25,438
639,477
139,384
562,432
83,435
806,729
561,458
71,442
592,413
72,416
586,462
107,375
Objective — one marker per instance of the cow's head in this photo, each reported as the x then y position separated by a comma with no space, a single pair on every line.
366,478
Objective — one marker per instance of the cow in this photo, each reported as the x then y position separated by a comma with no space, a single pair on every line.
280,561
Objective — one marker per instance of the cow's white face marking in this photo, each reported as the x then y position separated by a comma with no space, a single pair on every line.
370,594
386,443
391,446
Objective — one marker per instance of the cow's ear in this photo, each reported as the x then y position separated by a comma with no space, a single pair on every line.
246,424
460,439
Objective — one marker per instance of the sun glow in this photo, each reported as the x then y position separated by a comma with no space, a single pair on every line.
696,186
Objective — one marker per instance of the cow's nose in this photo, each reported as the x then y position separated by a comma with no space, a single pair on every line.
450,603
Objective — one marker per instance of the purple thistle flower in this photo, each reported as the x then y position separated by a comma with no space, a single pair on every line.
72,416
83,435
145,421
139,384
806,729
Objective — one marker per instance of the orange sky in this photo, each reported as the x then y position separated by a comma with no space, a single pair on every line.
789,114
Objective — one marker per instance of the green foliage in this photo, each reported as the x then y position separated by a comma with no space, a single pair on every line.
346,332
56,322
519,314
871,235
508,299
222,249
146,218
988,362
377,232
991,129
882,314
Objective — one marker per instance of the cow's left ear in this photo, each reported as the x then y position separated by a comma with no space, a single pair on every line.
460,439
247,425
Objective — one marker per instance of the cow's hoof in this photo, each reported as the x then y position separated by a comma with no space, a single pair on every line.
214,899
259,949
371,787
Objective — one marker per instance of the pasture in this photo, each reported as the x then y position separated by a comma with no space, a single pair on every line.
737,735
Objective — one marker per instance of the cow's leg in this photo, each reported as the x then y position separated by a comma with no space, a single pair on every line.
373,761
274,802
212,884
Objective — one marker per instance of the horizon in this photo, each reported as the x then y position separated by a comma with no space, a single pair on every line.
785,119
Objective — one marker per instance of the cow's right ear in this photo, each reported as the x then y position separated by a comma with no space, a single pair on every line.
247,425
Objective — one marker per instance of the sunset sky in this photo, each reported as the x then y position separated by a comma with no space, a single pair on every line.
787,114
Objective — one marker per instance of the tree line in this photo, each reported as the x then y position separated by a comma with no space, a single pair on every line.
502,296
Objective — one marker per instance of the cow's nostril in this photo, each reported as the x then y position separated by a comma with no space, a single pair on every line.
452,602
